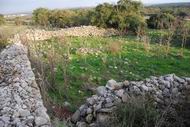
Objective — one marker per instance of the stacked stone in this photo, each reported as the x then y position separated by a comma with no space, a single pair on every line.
165,90
87,31
20,100
40,34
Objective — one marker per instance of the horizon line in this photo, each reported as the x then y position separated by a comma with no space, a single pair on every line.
30,12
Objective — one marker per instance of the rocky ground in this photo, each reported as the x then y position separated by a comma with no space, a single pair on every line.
40,34
21,104
165,90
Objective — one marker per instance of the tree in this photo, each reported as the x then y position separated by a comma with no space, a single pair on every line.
41,16
161,21
182,14
101,15
131,13
184,30
126,15
56,18
82,17
2,19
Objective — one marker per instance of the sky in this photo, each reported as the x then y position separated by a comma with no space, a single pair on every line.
16,6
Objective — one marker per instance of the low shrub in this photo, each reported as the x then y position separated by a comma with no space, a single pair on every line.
18,21
114,47
158,36
137,112
141,112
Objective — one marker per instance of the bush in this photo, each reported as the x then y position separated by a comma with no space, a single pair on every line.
18,21
141,112
41,16
61,19
157,35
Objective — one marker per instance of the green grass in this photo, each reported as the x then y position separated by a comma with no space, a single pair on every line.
131,62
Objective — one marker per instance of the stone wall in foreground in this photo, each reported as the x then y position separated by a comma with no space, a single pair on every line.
166,91
21,104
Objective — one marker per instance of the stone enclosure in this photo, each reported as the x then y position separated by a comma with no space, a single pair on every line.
21,104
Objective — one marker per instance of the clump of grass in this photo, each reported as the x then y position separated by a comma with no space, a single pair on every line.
3,40
137,112
141,112
114,47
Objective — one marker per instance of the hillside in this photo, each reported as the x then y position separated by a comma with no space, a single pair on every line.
181,4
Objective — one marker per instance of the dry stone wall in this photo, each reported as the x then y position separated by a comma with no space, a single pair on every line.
40,34
21,104
165,90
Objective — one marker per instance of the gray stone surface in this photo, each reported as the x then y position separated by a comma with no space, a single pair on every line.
113,85
20,99
81,124
40,34
101,90
89,118
76,116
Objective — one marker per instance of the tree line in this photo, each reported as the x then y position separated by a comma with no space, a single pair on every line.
125,15
61,18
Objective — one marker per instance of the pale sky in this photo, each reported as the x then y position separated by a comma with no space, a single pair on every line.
14,6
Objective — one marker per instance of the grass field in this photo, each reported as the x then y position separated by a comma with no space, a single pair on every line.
11,29
94,60
7,31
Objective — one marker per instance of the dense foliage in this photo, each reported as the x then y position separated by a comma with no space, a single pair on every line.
161,21
41,16
18,21
126,15
60,18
